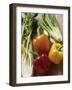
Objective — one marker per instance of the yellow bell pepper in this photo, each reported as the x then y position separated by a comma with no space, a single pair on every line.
56,53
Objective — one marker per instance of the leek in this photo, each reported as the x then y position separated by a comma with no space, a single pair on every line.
49,23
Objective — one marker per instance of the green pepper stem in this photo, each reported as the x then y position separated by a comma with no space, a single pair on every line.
59,49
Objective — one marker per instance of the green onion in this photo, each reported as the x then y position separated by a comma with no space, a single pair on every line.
26,36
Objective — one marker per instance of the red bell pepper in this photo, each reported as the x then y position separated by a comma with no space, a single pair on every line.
41,65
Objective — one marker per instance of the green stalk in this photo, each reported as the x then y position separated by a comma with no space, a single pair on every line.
27,48
49,23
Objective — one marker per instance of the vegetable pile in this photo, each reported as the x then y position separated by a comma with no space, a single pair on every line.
42,44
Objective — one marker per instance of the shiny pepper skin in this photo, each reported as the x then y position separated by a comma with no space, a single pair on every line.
41,65
41,44
55,55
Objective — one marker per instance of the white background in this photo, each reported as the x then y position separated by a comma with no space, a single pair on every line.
4,45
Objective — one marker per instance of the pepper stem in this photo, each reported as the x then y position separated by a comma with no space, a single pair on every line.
59,49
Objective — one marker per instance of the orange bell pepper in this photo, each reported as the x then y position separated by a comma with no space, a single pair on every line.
41,44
